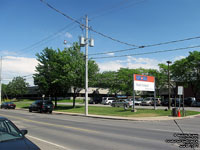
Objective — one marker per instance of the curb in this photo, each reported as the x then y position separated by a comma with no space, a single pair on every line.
163,118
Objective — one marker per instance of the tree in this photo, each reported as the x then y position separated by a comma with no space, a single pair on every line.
47,75
17,87
73,72
58,71
187,71
4,91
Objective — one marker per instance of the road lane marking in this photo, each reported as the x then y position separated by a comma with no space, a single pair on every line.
51,124
47,142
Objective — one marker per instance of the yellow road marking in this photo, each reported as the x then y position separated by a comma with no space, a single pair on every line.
51,124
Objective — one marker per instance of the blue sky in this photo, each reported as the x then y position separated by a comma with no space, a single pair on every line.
140,22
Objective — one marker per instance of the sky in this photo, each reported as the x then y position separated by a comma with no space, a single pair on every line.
27,27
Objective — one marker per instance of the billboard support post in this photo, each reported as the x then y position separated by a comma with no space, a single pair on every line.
154,94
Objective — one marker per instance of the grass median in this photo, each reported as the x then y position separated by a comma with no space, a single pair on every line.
109,111
115,111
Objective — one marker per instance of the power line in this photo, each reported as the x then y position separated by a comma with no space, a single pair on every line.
54,35
153,52
121,5
145,46
67,16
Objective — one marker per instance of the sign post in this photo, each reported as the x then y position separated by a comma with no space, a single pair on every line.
181,92
143,83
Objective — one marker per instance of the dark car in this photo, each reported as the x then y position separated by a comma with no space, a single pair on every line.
8,105
174,102
41,106
189,101
12,138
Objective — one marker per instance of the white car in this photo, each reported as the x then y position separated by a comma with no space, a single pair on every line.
107,100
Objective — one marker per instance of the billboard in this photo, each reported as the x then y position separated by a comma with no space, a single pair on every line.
143,83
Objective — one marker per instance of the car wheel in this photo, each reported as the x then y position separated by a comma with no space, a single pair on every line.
30,110
50,112
109,103
125,107
113,105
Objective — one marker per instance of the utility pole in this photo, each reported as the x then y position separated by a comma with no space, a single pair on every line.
86,66
0,79
85,42
169,106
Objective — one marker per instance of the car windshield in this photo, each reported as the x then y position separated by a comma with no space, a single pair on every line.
48,102
147,99
8,131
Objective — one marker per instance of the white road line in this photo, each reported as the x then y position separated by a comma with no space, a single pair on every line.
47,142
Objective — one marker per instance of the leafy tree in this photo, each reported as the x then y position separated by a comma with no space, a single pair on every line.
58,71
73,71
4,91
187,71
47,75
17,87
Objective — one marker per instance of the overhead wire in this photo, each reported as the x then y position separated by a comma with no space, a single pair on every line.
122,6
102,34
45,40
152,52
136,47
146,46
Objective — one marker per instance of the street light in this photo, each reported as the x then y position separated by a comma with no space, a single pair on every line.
169,107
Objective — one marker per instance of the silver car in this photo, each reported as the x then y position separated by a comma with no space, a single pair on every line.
126,103
147,101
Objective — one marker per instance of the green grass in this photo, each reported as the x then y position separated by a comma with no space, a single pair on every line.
107,111
70,101
113,111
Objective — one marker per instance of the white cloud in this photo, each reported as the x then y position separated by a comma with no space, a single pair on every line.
18,66
68,35
178,58
6,52
130,62
111,54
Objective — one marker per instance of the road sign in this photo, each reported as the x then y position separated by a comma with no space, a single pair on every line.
180,90
144,83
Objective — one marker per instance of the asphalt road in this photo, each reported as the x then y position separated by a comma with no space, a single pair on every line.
58,131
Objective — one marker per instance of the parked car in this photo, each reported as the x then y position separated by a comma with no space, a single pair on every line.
8,105
126,103
138,101
41,106
165,102
147,101
188,101
173,101
95,100
158,102
196,104
12,138
107,100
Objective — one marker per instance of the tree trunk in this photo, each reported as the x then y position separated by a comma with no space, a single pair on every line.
74,98
55,101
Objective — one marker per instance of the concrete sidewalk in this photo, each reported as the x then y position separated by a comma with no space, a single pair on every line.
128,118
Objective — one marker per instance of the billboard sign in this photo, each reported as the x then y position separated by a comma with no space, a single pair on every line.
143,83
